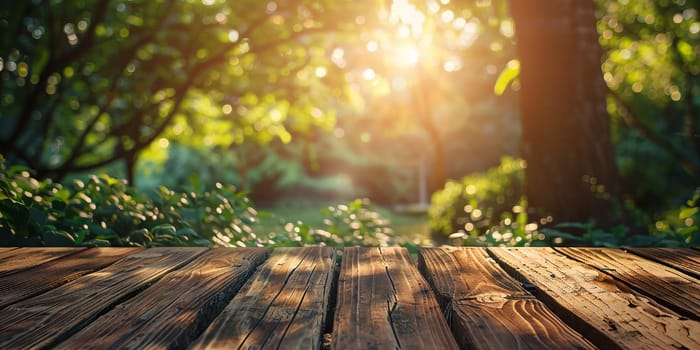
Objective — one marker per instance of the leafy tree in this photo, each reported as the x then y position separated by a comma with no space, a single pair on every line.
651,69
88,83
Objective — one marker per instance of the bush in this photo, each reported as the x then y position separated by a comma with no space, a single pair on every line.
104,211
488,209
351,224
479,201
681,224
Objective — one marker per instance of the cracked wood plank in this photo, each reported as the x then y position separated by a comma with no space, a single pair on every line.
283,305
666,285
16,260
46,319
38,279
683,259
487,309
603,310
385,303
175,310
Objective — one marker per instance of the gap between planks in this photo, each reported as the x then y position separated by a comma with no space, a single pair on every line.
282,306
385,303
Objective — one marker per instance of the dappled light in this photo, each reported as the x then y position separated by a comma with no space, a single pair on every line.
193,113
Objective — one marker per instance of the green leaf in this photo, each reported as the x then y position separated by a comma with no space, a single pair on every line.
164,229
55,237
509,74
687,212
201,242
81,237
186,231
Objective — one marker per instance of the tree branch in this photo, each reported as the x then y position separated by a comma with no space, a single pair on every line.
633,122
55,64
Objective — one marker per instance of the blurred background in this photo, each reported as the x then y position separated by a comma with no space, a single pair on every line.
415,106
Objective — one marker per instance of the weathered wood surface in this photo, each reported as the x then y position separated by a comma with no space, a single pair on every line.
487,309
40,278
16,260
48,318
670,287
684,259
496,298
385,303
282,306
176,309
5,249
604,311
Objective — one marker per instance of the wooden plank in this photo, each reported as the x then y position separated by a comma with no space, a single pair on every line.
606,313
4,250
44,320
174,311
487,309
282,306
52,274
683,259
23,258
385,303
666,285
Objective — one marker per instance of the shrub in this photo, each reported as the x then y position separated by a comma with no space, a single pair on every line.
488,209
479,201
105,211
351,224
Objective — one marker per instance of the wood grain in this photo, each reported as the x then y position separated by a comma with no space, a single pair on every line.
683,259
666,285
4,250
38,279
605,312
487,309
282,306
46,319
175,310
384,303
20,259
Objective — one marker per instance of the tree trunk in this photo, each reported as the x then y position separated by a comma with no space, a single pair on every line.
424,112
571,172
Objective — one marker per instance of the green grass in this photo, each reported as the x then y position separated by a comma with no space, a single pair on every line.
412,226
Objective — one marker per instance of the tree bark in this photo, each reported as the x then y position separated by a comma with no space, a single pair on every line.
571,172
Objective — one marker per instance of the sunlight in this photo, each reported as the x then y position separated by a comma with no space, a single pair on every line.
406,55
406,13
413,41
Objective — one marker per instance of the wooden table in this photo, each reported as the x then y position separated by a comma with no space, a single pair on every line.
356,298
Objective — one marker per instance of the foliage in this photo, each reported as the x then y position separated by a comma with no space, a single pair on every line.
681,224
652,70
479,201
486,209
105,211
355,223
87,83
